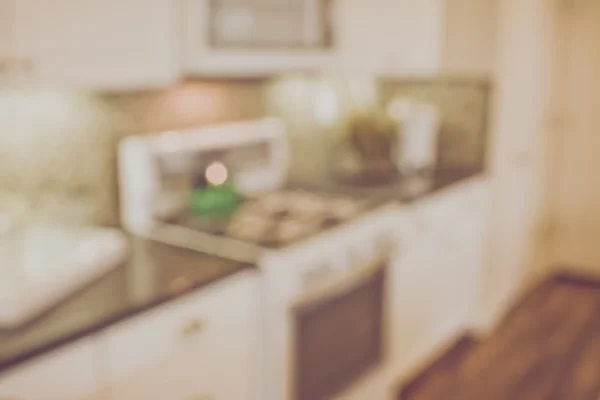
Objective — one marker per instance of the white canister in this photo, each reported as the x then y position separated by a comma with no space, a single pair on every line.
419,129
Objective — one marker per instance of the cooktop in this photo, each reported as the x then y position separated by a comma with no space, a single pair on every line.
279,218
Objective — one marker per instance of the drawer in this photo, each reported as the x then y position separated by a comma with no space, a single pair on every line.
66,374
157,336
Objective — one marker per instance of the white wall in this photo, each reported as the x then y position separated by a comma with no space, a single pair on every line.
577,183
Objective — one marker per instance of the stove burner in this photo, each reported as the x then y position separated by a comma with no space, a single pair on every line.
280,218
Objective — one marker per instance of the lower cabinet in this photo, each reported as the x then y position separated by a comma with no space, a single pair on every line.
437,272
204,347
66,374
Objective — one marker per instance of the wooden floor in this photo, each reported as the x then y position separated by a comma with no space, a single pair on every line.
548,348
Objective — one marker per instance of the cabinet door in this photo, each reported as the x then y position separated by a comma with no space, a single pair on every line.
7,41
379,36
436,279
204,347
465,241
414,292
470,34
99,44
69,374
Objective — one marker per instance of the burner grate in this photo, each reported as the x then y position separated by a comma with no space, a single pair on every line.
279,218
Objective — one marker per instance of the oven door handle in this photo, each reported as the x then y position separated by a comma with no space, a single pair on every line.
316,275
342,283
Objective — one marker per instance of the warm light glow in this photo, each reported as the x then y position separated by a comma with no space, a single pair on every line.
325,105
400,108
216,173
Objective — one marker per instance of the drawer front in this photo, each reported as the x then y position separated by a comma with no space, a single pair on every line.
67,374
166,345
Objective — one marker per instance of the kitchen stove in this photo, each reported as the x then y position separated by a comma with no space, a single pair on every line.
321,253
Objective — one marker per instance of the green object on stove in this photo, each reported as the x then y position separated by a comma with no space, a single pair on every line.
215,201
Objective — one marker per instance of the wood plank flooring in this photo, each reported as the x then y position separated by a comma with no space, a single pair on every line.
547,348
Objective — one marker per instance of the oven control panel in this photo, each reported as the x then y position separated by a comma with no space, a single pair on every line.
333,258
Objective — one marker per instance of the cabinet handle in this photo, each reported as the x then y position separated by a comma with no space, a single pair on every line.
192,328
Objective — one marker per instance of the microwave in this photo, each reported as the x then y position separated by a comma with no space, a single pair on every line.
255,39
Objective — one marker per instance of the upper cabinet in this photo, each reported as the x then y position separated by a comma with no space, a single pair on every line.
470,36
262,37
389,37
405,38
7,41
144,44
106,44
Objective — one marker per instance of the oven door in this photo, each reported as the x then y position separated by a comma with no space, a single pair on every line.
339,333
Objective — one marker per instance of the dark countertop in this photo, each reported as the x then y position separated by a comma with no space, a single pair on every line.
154,274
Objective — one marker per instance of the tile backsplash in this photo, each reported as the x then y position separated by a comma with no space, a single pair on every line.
463,105
58,148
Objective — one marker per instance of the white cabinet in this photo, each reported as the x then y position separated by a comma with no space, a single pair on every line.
69,374
393,37
400,38
470,37
7,42
438,272
109,44
204,346
523,121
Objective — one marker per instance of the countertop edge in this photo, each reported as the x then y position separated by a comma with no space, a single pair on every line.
9,364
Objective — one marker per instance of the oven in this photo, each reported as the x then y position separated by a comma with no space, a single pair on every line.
327,304
339,333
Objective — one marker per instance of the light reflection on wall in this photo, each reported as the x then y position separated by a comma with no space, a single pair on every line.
314,109
192,104
323,100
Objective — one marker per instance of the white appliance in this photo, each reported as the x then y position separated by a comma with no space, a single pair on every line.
41,264
242,39
155,171
318,253
328,303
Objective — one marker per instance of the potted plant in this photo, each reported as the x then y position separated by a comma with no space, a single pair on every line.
374,138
